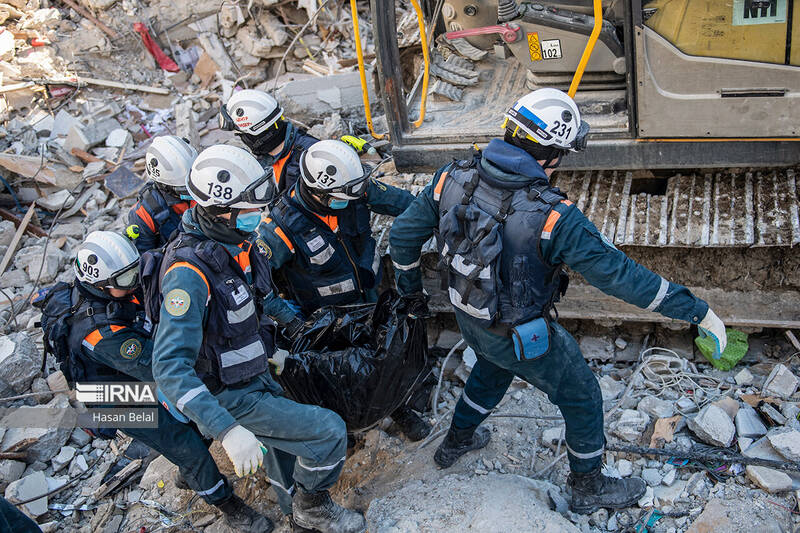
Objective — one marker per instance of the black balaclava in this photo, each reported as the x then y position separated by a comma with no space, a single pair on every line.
551,155
219,229
266,141
314,204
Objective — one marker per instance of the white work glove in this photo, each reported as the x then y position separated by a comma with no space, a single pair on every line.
279,360
244,450
712,326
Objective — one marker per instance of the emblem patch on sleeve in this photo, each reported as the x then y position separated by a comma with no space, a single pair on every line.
263,248
177,302
130,349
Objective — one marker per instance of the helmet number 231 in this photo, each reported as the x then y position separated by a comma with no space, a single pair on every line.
561,129
218,191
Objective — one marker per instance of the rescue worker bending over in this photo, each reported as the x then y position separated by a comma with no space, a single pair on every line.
257,118
163,201
321,243
213,341
504,235
110,340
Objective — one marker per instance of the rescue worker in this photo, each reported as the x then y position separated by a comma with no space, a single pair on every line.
257,118
112,341
164,199
504,233
213,343
321,243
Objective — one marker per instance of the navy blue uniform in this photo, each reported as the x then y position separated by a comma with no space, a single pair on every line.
157,215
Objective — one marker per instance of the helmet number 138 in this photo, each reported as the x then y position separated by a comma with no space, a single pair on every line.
218,191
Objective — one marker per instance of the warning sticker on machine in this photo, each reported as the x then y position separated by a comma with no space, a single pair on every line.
747,12
551,49
534,47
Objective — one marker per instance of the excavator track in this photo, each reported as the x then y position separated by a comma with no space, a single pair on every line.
728,235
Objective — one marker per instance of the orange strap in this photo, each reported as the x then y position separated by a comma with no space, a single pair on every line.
94,337
437,191
279,232
181,207
277,167
116,328
190,266
142,213
551,221
332,221
243,257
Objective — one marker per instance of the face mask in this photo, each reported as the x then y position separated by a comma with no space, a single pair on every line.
338,204
187,197
248,221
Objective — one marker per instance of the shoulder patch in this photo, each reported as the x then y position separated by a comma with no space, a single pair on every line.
263,248
130,349
177,302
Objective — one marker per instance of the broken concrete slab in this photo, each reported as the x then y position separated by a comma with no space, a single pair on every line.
62,124
769,479
713,426
668,494
63,458
95,168
40,443
714,518
30,259
656,407
780,382
185,125
28,487
10,470
729,405
20,363
610,388
749,424
631,425
624,467
120,138
311,100
743,378
787,443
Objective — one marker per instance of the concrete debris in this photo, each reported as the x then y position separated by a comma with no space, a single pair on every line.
63,458
526,505
631,425
624,467
769,479
749,424
668,494
656,407
310,100
651,476
40,444
610,388
780,382
787,443
20,363
10,470
29,487
713,426
463,47
743,378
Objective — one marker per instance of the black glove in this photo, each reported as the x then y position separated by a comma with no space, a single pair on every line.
416,304
293,329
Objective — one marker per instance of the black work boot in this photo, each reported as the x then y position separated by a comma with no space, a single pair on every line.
593,490
241,517
318,512
298,529
411,424
458,442
180,481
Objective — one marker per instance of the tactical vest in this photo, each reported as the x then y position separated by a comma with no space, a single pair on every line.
488,237
165,218
236,342
286,165
328,267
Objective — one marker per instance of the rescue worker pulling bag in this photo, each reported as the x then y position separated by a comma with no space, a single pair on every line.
360,361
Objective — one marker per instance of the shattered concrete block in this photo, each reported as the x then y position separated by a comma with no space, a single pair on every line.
669,478
780,382
62,124
770,412
787,443
729,405
631,425
624,467
95,168
63,458
610,388
651,476
253,44
80,438
749,424
313,99
78,465
762,449
10,470
76,139
743,378
647,499
20,363
769,479
713,518
596,348
56,200
551,436
13,278
713,426
26,488
120,138
7,49
30,259
668,494
744,443
46,441
656,407
185,126
7,232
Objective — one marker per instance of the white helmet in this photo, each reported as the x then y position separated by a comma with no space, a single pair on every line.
107,259
168,160
228,176
549,117
333,168
250,111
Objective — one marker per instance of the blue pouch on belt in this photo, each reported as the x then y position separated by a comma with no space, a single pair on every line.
531,340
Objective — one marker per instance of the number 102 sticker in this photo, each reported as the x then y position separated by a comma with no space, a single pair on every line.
551,49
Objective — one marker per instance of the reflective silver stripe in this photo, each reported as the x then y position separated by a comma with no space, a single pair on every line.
337,288
235,317
546,235
415,264
322,257
445,249
662,291
460,266
318,468
481,410
242,355
289,491
589,455
213,489
376,261
86,343
455,299
189,396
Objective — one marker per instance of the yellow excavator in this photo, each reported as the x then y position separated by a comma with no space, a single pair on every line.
694,108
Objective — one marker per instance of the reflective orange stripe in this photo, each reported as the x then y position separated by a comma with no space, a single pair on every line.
437,192
552,218
142,213
243,258
94,337
191,266
116,328
279,232
332,221
566,202
277,168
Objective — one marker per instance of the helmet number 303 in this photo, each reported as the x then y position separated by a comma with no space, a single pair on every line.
218,191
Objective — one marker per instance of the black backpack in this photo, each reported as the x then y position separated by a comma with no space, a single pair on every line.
57,309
